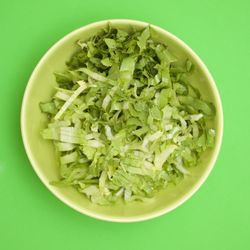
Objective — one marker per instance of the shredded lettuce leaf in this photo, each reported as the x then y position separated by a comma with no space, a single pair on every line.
125,118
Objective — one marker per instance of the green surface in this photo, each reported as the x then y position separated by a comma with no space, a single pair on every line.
216,217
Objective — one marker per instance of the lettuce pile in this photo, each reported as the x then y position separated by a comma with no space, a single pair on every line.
125,120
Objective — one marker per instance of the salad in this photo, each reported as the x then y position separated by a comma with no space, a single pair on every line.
125,119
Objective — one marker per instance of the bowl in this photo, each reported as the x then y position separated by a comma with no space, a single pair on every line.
41,152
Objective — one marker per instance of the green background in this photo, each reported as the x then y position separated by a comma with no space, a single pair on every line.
216,217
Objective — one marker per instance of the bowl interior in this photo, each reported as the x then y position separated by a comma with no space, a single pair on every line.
42,155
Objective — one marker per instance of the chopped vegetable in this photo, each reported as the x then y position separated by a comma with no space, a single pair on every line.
125,119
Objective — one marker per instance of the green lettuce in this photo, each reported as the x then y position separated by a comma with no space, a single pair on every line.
125,119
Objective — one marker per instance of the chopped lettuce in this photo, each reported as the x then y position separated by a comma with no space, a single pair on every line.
125,119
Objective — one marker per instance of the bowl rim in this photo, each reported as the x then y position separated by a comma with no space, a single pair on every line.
152,214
